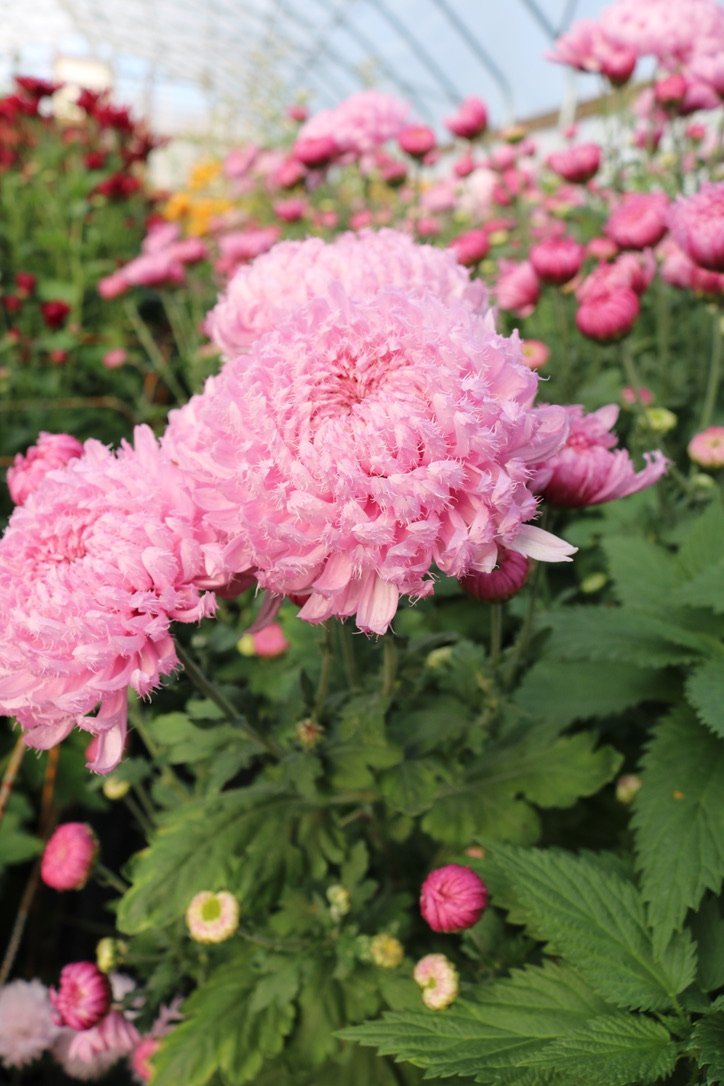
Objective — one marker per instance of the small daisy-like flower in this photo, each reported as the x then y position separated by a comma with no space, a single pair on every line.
386,951
438,978
212,918
69,856
339,902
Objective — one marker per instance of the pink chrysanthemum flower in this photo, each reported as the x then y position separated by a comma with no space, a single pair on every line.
707,447
93,569
453,898
83,996
27,1028
365,441
68,857
30,468
697,224
639,220
294,272
517,287
212,918
360,123
664,28
589,469
89,1054
438,978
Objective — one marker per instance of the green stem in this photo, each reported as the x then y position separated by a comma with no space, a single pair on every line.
145,801
348,657
712,386
155,356
663,331
111,878
389,665
324,675
496,633
561,320
208,689
632,375
526,629
138,813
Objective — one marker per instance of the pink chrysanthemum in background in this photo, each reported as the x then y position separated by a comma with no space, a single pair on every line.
667,29
608,313
294,272
697,224
89,1054
639,220
27,1027
365,441
93,569
535,353
453,898
557,260
69,855
83,996
576,164
518,287
439,980
470,120
707,447
588,48
163,259
30,468
360,123
267,642
589,469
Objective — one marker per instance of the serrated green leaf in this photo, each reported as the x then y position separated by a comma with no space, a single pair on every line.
559,774
611,1050
679,821
475,810
703,542
707,1044
705,691
708,928
566,691
644,574
192,847
222,1031
360,744
491,1037
620,633
595,919
412,786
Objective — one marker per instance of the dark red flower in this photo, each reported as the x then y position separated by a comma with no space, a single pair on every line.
55,313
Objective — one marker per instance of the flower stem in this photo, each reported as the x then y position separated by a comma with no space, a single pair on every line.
11,773
389,665
207,688
526,629
324,675
155,356
21,920
111,878
632,374
496,633
348,656
712,386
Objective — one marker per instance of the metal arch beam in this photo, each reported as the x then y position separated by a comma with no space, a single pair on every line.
485,59
541,18
568,12
451,92
324,48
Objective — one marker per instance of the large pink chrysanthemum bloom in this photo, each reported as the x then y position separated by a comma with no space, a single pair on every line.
365,441
360,123
93,569
663,28
27,1028
587,48
261,295
589,470
30,468
697,224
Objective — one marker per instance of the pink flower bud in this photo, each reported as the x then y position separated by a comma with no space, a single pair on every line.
112,360
470,121
471,247
69,856
83,996
315,151
578,163
506,579
608,314
707,447
453,898
417,140
535,353
556,260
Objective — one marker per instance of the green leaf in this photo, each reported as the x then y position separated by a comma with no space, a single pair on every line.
567,691
227,1027
360,744
191,850
703,542
708,928
619,633
705,691
508,1023
558,775
595,919
412,786
706,589
679,821
644,574
707,1043
612,1050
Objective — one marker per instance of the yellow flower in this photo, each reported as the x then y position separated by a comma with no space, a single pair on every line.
177,206
202,174
386,951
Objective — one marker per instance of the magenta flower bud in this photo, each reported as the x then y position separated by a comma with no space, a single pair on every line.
557,260
417,140
315,151
535,353
697,224
506,579
471,247
453,898
470,121
576,164
68,857
670,90
639,221
608,314
83,996
518,287
30,468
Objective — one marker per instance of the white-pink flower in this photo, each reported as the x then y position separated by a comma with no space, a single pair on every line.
261,295
366,441
360,123
27,1028
94,567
